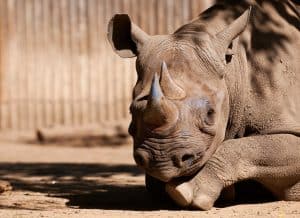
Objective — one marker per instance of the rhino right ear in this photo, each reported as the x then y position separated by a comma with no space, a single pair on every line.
124,36
224,38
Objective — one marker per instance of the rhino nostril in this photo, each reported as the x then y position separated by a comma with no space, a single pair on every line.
184,160
187,157
141,158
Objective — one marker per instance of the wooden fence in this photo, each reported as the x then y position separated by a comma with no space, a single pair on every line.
56,67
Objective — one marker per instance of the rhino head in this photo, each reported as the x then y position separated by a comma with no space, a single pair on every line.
180,104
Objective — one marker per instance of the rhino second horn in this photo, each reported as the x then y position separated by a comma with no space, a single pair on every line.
169,87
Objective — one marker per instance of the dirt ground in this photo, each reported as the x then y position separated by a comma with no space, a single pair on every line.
97,181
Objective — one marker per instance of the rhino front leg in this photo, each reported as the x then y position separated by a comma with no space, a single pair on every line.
272,160
200,192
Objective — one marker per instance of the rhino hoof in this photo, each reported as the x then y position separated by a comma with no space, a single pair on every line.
182,194
202,202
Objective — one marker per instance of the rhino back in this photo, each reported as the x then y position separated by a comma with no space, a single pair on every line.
269,78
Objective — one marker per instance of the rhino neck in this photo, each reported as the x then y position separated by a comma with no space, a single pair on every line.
236,81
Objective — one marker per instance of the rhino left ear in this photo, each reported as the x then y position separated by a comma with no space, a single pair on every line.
224,38
124,36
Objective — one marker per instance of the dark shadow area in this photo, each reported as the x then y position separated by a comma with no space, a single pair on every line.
74,170
69,181
121,198
248,192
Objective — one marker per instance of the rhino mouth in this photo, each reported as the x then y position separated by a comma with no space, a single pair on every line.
169,174
173,165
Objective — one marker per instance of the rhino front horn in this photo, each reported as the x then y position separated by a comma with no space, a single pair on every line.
169,87
159,110
156,93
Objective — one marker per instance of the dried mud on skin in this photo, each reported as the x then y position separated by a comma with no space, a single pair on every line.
65,181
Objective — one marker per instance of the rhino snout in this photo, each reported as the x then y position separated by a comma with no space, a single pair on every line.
166,169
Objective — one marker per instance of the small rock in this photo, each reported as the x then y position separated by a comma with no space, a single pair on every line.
5,186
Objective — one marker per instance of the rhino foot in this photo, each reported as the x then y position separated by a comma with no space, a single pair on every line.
190,194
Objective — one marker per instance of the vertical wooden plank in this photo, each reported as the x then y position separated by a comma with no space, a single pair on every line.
193,8
38,58
185,11
134,6
42,64
84,79
109,67
126,6
5,36
15,93
13,63
170,16
89,73
93,51
66,68
2,53
34,62
74,61
28,65
113,82
152,16
22,85
102,61
46,68
98,61
56,62
178,14
161,19
144,17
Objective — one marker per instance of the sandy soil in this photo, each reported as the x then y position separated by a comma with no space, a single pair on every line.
67,181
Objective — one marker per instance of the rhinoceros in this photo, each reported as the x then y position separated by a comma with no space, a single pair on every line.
218,101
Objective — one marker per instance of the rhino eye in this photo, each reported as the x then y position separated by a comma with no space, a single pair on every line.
210,116
210,112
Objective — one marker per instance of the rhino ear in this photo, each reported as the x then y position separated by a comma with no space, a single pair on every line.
223,40
124,36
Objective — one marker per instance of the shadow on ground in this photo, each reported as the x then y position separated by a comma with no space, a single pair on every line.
85,185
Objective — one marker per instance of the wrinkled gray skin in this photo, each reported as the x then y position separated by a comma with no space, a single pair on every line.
218,101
